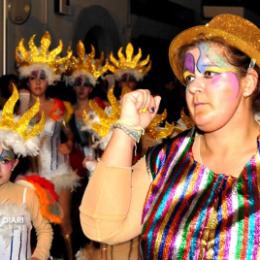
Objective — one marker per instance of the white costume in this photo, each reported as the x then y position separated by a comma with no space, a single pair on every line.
52,164
15,230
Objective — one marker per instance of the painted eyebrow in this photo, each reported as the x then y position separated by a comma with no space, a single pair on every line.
204,66
221,69
187,73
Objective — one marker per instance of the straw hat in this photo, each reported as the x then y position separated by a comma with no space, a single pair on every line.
235,30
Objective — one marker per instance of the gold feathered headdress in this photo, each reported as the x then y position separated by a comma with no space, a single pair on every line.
17,133
129,63
105,118
41,58
86,64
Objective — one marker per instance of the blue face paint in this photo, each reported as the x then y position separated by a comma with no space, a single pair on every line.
6,155
209,58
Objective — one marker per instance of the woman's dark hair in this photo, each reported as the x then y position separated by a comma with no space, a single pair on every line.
5,81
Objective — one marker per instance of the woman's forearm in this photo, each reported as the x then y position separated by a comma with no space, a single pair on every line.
119,151
112,205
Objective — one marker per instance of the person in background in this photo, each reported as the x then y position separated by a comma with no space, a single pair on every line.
101,124
128,69
41,68
195,196
85,71
20,205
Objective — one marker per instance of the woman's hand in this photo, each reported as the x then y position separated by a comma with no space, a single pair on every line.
139,107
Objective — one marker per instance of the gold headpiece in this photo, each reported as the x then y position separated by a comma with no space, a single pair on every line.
129,63
87,64
107,119
17,134
233,29
157,132
41,57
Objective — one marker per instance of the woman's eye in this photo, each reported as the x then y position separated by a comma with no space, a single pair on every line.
4,161
209,74
189,78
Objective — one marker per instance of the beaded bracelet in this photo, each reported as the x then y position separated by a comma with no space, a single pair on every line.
134,132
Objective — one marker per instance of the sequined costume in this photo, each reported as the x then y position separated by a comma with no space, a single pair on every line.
189,212
195,213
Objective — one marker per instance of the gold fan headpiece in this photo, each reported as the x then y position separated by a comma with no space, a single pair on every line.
36,58
86,64
104,120
17,133
129,63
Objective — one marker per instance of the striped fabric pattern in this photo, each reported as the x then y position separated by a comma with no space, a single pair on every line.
15,232
193,213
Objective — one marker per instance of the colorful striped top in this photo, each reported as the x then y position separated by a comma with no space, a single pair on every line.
193,213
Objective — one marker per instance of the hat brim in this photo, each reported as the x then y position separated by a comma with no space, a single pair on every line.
190,35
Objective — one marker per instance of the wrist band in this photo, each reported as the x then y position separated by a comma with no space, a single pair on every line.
134,132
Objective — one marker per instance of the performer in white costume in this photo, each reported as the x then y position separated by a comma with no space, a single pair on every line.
20,208
41,68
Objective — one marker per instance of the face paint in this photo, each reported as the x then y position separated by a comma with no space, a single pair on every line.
210,59
6,156
209,63
213,92
38,74
81,81
230,77
189,67
128,77
189,62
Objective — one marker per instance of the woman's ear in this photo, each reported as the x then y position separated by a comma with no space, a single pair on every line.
250,82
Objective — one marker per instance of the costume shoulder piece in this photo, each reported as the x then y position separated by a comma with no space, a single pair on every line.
157,155
48,198
60,110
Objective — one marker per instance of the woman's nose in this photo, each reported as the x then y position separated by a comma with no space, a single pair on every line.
197,85
38,80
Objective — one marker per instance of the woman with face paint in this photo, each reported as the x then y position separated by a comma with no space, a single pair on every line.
196,196
41,68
